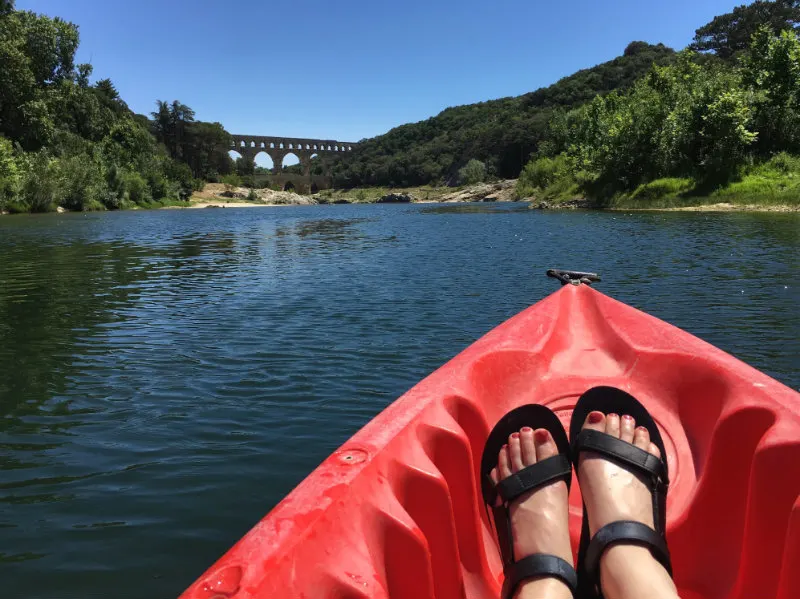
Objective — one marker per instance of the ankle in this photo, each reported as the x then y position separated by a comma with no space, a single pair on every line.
631,571
543,588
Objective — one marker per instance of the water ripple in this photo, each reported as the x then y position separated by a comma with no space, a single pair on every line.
169,376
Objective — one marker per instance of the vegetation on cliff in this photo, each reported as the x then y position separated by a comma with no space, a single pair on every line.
500,133
708,116
685,130
66,142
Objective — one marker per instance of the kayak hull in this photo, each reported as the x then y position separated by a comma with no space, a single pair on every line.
397,511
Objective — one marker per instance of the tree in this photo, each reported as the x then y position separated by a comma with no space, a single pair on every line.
81,145
170,125
771,68
728,34
50,45
206,149
245,166
9,172
772,65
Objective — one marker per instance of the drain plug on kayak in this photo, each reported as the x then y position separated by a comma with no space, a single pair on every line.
353,456
573,277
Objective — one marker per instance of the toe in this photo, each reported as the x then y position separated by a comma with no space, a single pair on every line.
528,446
654,450
641,438
495,476
545,446
612,425
503,463
595,421
515,452
626,427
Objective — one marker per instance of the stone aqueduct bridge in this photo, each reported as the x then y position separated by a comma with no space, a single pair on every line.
277,148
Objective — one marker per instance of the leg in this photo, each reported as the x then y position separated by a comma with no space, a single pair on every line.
539,521
611,494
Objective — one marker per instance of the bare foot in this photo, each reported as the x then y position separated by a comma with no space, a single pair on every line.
539,518
612,493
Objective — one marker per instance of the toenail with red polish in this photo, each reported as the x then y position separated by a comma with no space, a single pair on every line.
515,435
595,417
526,429
626,417
541,436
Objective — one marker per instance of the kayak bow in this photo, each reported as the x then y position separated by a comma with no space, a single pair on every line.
397,510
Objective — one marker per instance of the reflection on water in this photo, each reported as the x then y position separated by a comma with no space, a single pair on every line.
328,229
481,208
168,376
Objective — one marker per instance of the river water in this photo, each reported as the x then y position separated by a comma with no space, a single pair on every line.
166,377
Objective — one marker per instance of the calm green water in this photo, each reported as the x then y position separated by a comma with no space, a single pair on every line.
166,377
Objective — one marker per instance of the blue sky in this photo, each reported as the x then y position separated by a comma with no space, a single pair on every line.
350,69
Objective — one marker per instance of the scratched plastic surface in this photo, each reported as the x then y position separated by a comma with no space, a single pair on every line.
396,511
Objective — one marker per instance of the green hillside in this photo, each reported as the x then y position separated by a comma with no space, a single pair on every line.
502,133
506,134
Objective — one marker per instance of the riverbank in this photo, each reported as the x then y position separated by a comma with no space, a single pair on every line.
772,186
776,195
216,195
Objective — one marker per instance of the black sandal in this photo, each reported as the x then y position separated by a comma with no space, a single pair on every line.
650,469
558,467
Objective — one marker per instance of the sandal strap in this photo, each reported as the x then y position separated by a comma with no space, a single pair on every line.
640,460
541,473
539,565
630,533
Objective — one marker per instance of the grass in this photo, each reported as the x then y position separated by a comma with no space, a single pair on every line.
775,182
661,193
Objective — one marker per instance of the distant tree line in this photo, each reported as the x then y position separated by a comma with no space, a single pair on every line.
67,142
730,100
696,124
502,134
506,134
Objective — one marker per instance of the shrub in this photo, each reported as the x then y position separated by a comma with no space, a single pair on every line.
82,182
784,163
9,172
231,181
159,185
137,189
41,186
548,177
114,193
473,172
543,172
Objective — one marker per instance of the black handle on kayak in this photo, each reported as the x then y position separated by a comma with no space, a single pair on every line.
573,277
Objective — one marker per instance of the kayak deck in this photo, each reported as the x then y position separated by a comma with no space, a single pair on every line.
397,510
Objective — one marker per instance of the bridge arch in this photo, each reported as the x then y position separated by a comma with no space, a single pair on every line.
264,160
289,159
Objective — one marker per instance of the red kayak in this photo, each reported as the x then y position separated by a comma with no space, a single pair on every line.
397,510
